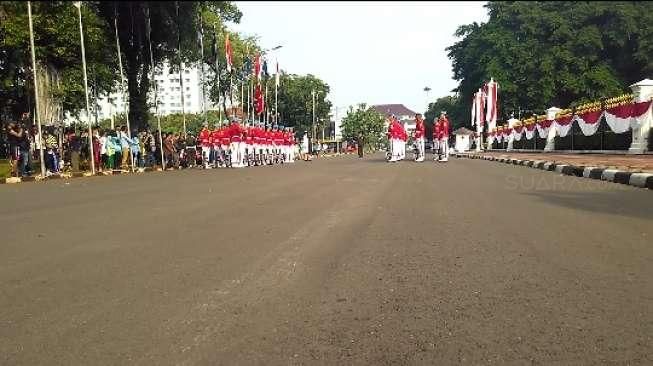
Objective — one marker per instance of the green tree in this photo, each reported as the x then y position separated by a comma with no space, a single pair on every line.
171,23
554,53
296,102
365,125
56,40
456,111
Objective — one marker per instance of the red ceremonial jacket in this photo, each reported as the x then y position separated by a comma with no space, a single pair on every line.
205,137
419,129
444,128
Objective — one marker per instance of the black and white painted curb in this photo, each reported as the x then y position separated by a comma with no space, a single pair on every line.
641,180
14,180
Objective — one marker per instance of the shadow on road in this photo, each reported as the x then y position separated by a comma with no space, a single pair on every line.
625,203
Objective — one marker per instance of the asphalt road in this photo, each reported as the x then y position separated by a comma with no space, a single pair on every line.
336,261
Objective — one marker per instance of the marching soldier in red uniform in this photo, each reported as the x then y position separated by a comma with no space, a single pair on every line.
444,136
419,137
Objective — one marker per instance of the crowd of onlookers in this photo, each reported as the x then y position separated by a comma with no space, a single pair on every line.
67,149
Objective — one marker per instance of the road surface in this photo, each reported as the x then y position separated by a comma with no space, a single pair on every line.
336,261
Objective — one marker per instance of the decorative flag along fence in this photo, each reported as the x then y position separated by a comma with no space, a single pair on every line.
621,115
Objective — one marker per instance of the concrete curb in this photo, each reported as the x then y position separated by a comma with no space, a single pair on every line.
73,175
560,168
642,180
635,179
608,175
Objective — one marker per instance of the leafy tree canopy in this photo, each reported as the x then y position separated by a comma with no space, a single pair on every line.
364,125
554,53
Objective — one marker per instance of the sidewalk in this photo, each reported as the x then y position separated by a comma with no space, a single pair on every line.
631,163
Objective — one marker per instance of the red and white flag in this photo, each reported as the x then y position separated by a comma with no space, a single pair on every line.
492,102
258,98
228,53
257,67
474,110
478,110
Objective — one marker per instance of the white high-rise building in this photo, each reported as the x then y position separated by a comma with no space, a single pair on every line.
169,95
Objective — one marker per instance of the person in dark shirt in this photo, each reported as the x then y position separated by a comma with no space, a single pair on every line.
75,147
13,137
20,148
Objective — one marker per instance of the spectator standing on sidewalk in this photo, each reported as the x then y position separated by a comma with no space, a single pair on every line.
96,149
169,151
103,150
52,158
38,145
150,147
19,146
134,148
125,143
75,148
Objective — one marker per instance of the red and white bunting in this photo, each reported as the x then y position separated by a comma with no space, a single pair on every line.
543,127
624,117
529,131
588,122
563,125
518,132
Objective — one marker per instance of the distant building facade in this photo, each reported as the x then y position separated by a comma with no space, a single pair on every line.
405,115
169,96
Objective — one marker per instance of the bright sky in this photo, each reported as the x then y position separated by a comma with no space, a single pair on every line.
372,52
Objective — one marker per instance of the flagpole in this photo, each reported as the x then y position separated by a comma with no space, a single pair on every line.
265,104
217,71
228,55
122,85
181,68
202,69
78,5
156,87
36,87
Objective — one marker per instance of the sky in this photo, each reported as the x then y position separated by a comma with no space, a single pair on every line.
368,52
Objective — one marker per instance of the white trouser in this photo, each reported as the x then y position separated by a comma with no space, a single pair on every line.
236,159
224,150
243,151
444,145
402,149
291,154
247,149
420,149
206,153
